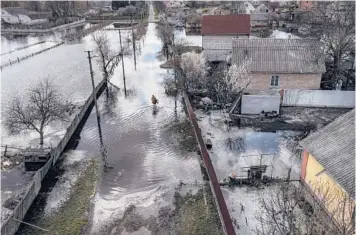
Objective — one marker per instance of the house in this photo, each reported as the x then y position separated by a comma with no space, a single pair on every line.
15,12
262,8
219,11
18,15
248,7
193,22
328,168
305,5
259,20
174,4
6,17
260,17
281,63
218,33
273,6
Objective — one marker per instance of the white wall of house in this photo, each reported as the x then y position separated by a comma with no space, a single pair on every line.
319,98
218,47
255,104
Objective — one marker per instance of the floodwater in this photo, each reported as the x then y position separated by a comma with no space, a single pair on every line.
145,163
236,149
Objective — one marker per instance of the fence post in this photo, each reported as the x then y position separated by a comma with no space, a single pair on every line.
5,150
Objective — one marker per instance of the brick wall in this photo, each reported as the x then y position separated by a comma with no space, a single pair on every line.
262,81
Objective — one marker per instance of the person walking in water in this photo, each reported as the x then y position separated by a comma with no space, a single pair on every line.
154,101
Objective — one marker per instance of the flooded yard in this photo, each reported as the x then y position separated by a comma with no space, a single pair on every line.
234,151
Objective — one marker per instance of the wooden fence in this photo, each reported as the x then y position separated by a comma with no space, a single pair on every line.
10,225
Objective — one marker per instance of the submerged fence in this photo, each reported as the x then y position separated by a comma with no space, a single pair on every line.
10,225
19,59
24,47
213,180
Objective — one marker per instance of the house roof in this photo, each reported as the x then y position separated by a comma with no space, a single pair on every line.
334,148
217,48
261,7
225,24
259,17
280,55
16,10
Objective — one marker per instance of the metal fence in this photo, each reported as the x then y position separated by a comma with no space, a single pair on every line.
10,225
319,98
213,181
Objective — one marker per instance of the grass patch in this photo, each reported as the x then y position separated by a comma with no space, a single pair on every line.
198,218
185,136
72,218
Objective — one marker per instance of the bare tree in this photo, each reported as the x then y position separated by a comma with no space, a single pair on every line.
334,24
107,58
291,209
165,33
44,105
61,8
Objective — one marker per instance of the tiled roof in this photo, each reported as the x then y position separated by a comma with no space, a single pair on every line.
280,55
225,24
334,148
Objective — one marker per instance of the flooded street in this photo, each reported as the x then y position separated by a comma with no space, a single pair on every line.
146,164
147,167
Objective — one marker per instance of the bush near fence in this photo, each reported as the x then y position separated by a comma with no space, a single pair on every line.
10,226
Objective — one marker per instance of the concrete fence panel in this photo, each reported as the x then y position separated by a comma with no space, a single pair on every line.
10,226
319,98
255,104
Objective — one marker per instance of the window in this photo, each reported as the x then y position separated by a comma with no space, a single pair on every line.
275,81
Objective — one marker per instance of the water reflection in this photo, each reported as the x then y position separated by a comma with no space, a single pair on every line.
103,150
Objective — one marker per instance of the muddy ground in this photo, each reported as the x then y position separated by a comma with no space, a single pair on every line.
291,118
71,218
193,214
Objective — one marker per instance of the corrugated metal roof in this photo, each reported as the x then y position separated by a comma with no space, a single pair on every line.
280,55
225,24
334,148
259,17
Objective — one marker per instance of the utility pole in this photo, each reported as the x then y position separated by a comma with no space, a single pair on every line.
92,82
133,41
174,60
122,62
